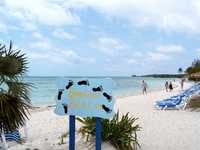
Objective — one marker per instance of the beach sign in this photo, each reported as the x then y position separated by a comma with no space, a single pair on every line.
86,98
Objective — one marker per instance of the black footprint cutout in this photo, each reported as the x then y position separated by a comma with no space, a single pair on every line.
70,83
97,89
65,108
106,109
60,92
109,98
83,82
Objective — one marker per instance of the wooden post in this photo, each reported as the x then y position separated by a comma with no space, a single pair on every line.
98,133
72,127
4,140
25,131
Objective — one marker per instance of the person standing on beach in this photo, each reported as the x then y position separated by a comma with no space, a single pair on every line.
170,86
166,86
182,83
144,87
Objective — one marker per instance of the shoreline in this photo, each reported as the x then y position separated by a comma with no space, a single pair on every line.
117,97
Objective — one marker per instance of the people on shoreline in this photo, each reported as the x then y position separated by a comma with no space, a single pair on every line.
144,87
170,86
166,86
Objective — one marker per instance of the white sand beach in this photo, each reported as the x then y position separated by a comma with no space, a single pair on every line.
111,59
161,130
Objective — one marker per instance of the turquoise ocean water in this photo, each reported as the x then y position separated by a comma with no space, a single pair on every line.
44,91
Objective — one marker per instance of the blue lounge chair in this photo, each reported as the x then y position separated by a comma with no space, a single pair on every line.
9,136
169,103
12,136
178,101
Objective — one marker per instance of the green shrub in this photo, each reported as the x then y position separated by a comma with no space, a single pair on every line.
120,132
62,137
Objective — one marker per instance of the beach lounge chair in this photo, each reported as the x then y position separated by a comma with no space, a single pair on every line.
168,103
12,136
175,102
9,136
179,101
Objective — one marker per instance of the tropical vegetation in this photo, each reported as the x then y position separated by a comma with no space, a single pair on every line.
120,132
165,75
194,68
14,92
194,103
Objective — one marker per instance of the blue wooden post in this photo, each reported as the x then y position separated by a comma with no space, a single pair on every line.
98,133
72,127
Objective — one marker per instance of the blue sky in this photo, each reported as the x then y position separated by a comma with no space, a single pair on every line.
103,37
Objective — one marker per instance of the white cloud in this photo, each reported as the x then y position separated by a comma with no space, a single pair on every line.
46,12
165,52
35,55
62,57
109,46
168,15
138,54
198,50
41,41
28,26
132,61
3,27
43,49
170,49
63,35
37,35
155,56
40,45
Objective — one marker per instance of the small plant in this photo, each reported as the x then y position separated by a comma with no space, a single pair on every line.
120,132
62,137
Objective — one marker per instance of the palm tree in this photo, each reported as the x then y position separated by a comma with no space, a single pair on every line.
14,92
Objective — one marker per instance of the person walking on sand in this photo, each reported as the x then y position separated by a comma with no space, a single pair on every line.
166,86
182,83
170,86
144,87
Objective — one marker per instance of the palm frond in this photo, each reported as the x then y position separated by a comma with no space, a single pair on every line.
13,112
14,102
19,89
12,62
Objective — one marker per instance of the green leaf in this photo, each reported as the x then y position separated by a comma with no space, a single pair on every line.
120,132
